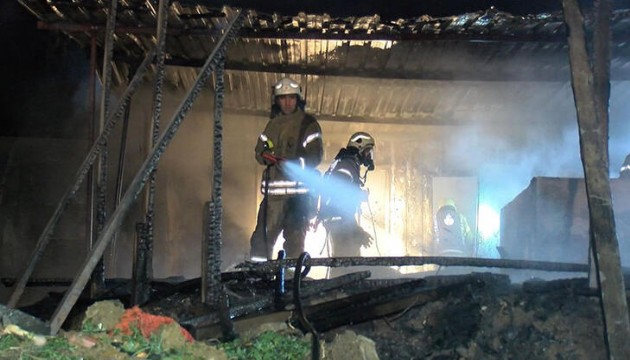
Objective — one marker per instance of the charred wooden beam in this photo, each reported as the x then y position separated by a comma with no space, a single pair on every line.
9,282
140,278
211,318
543,75
271,266
542,286
374,304
418,120
318,286
594,151
265,303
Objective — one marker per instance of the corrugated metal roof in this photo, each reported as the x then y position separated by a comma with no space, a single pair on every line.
419,69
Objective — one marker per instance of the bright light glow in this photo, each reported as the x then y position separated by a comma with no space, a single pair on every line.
316,246
489,221
385,242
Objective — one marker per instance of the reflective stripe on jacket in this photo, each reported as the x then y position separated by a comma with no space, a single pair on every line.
294,136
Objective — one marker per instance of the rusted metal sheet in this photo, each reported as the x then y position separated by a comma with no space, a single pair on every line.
419,68
548,221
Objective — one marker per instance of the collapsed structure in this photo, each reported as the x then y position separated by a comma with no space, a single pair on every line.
137,38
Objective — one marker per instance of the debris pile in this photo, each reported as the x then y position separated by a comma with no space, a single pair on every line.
472,316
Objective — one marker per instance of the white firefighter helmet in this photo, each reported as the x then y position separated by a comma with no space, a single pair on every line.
361,140
287,86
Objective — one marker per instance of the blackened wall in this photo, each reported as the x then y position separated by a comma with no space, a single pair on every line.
40,71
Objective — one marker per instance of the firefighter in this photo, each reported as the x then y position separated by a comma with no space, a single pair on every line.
344,191
624,172
452,234
290,135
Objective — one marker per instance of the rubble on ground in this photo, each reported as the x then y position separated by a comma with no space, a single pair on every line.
475,316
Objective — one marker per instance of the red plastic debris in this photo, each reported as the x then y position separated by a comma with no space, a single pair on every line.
145,322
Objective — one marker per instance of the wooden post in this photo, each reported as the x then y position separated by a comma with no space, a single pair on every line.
593,131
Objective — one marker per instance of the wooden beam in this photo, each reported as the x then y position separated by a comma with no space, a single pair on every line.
546,75
552,74
593,147
501,118
272,265
418,120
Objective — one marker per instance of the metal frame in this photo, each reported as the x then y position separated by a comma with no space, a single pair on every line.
81,174
134,189
109,228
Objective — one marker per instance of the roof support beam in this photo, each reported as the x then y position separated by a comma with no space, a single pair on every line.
427,120
309,35
559,75
548,73
543,75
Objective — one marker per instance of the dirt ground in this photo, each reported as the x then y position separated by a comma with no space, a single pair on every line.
484,318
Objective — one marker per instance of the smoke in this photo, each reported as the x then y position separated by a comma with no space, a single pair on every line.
619,127
346,195
506,164
506,157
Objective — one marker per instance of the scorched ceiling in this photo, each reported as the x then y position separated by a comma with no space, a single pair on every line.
480,66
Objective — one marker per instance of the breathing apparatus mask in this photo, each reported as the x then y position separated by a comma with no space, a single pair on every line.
364,143
367,158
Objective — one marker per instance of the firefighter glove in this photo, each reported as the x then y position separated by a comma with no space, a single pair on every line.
364,238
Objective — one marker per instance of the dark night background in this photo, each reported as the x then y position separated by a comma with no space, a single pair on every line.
41,72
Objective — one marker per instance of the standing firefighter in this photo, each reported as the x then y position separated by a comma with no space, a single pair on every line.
292,136
342,196
452,234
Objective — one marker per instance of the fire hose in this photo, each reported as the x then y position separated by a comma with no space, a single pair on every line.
304,261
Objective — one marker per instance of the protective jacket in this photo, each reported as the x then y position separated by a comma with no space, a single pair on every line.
286,207
292,137
342,194
340,201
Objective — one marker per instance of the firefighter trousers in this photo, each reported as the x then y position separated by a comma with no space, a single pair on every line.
286,214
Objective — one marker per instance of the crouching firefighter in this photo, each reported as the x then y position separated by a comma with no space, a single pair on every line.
343,193
291,138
